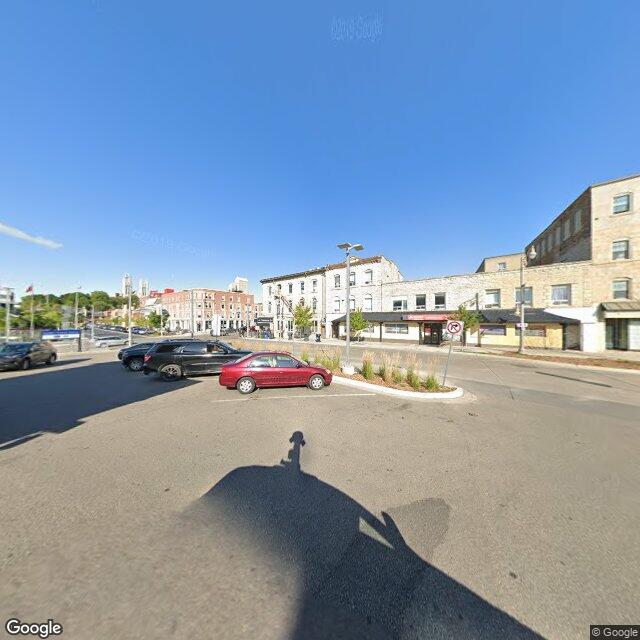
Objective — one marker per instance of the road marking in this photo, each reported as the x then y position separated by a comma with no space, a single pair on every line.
555,375
331,395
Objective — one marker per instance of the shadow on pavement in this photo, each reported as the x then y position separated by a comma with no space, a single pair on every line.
358,577
57,399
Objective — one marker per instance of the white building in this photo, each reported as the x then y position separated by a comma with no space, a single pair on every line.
239,285
323,289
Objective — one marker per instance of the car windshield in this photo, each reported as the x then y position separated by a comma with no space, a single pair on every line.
19,347
226,345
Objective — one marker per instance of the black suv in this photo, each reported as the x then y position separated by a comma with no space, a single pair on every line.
174,359
133,357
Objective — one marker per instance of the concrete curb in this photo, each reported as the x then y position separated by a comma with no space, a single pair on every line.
400,393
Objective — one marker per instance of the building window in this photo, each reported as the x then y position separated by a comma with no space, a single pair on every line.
622,203
577,220
493,330
566,228
314,304
336,305
291,287
492,298
561,294
558,238
352,278
336,281
502,266
543,245
621,288
352,303
440,301
421,302
400,305
396,327
550,241
368,303
314,285
528,295
534,330
620,250
269,289
368,276
301,286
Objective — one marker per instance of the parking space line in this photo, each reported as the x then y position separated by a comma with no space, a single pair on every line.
330,395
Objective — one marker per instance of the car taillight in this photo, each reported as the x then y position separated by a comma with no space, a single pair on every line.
147,358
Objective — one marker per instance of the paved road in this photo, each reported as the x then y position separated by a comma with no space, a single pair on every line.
148,510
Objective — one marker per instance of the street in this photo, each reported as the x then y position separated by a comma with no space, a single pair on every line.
134,508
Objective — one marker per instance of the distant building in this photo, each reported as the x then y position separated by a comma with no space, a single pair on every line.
240,285
143,288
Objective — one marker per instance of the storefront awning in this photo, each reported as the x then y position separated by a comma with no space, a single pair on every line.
621,309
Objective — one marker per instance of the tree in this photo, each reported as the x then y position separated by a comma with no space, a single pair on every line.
154,319
470,318
303,318
357,322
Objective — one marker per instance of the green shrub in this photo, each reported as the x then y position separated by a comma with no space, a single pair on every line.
413,379
430,383
367,366
334,360
397,375
382,371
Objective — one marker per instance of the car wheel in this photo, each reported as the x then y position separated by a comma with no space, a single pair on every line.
52,358
25,364
135,364
316,382
246,385
171,372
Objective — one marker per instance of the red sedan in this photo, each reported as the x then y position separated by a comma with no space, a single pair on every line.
272,369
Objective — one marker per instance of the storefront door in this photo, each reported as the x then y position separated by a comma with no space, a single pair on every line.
432,333
617,336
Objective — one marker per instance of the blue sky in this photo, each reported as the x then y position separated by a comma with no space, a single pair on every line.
187,142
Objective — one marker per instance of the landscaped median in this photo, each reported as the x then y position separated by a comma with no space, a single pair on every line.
390,376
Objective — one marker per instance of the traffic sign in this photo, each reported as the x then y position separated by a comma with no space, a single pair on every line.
519,325
455,327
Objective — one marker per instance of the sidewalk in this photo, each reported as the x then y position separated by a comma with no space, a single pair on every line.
614,359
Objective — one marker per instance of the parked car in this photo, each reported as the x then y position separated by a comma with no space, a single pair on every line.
110,341
272,369
174,359
133,357
23,355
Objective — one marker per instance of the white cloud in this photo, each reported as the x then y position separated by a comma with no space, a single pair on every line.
21,235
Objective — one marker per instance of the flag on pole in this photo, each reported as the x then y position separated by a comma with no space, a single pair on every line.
29,289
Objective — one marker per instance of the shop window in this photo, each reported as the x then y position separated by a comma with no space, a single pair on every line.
396,327
534,330
493,330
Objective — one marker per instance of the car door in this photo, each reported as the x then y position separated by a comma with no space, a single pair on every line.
192,357
214,358
286,372
261,368
35,354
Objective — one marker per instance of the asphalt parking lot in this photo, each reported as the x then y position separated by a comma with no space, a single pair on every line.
135,508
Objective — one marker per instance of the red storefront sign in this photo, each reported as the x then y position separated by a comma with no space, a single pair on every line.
426,317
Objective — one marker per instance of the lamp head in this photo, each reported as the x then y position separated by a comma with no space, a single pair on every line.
532,253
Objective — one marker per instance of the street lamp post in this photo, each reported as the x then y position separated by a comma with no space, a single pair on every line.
523,260
348,248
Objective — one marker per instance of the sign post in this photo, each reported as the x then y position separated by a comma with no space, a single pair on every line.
454,328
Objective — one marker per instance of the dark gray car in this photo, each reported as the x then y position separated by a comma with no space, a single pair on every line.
23,355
